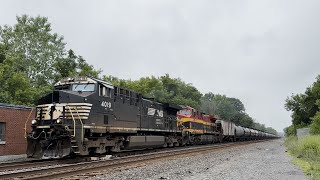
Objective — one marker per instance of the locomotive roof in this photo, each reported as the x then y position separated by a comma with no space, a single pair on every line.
83,79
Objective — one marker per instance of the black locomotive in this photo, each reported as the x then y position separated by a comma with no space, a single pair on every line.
88,116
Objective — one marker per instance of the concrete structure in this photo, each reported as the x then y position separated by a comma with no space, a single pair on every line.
12,128
302,132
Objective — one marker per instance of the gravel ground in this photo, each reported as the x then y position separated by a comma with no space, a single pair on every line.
262,161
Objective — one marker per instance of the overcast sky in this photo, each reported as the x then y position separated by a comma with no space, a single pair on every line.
257,51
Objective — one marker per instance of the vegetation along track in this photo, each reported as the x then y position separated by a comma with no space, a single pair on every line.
87,169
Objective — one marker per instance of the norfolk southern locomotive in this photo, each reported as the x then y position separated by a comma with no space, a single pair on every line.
88,116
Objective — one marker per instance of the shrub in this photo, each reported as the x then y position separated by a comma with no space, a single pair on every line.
315,126
308,147
307,150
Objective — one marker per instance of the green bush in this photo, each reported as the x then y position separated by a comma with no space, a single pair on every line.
315,126
291,143
290,131
307,150
308,147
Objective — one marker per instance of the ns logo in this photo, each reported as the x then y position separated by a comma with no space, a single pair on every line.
106,104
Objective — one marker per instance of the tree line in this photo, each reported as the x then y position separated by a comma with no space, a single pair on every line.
32,58
305,109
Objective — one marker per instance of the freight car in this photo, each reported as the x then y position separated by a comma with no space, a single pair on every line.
88,116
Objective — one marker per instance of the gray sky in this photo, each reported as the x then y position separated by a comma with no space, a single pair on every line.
257,51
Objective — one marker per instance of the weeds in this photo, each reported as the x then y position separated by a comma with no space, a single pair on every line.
307,152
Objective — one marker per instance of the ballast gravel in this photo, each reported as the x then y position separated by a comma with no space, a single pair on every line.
262,161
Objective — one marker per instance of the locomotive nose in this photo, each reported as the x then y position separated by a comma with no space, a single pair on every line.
49,144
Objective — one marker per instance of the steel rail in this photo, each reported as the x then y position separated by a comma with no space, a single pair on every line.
68,170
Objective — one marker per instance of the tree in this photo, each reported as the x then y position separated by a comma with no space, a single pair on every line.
230,109
85,69
246,120
164,89
15,87
34,46
32,58
227,108
315,126
74,65
304,108
66,67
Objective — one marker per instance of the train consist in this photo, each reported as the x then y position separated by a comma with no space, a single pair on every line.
88,116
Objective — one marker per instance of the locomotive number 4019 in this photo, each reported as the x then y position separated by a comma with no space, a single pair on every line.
106,104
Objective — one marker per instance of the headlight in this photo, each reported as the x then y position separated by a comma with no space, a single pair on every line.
34,122
59,121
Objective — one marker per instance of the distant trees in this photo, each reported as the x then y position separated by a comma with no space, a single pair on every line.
230,109
33,58
164,89
305,109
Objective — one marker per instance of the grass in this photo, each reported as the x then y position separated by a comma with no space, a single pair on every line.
307,154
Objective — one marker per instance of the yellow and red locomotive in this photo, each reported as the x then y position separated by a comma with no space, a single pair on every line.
197,127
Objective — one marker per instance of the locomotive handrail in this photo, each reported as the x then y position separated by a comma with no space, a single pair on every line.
74,123
25,124
81,124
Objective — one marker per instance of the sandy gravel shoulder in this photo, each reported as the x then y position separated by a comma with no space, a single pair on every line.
261,161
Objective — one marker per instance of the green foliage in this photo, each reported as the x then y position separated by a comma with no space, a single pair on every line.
66,67
31,42
15,87
74,65
290,131
85,69
271,130
307,152
231,109
315,126
164,89
246,120
304,106
307,147
32,58
225,107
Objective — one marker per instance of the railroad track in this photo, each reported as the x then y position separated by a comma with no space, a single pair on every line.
24,165
86,169
20,165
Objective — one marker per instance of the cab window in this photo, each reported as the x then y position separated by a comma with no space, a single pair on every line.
104,91
83,87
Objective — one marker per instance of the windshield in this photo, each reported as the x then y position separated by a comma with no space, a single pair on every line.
186,124
185,111
62,87
83,87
